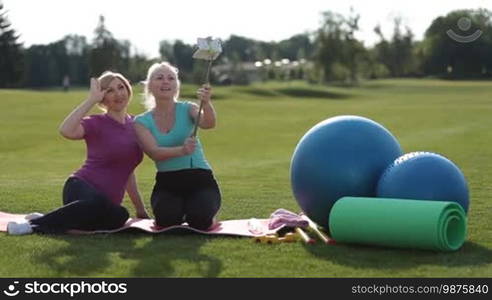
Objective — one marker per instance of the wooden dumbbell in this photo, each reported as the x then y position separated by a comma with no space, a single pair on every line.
267,239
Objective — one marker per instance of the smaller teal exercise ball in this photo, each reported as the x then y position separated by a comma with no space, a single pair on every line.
340,156
424,176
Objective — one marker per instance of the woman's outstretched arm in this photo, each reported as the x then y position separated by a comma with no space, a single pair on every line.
149,145
71,128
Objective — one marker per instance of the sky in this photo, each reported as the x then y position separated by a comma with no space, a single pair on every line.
146,22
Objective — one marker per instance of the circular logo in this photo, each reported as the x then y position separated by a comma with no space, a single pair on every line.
464,24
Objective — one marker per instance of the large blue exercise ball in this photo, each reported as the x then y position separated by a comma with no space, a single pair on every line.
424,176
340,156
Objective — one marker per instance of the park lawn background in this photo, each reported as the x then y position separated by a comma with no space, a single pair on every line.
250,150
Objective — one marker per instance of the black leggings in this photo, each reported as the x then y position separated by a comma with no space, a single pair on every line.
84,208
191,196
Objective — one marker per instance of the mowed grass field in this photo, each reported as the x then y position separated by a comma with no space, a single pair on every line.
250,150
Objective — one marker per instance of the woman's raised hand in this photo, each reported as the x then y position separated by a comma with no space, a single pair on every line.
96,93
205,93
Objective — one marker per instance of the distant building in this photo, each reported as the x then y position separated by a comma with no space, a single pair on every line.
247,72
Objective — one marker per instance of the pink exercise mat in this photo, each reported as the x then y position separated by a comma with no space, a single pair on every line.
245,227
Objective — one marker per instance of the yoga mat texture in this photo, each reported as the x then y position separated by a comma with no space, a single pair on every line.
420,224
245,227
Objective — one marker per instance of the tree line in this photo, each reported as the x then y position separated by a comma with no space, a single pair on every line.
331,54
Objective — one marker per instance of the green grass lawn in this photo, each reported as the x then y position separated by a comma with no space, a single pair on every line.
250,150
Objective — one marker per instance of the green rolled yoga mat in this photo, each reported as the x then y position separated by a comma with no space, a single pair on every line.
432,225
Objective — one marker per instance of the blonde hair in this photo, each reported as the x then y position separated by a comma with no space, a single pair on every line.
106,78
148,98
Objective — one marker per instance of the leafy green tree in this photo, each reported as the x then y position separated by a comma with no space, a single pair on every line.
329,44
166,49
183,55
297,47
47,65
106,52
77,50
137,69
240,48
397,54
457,57
11,56
354,49
36,62
338,53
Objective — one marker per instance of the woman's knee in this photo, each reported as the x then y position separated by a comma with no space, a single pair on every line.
115,217
121,214
200,222
202,208
203,218
167,219
167,208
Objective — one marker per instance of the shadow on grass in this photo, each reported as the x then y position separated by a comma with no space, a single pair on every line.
258,92
157,257
358,256
311,93
171,255
83,255
376,86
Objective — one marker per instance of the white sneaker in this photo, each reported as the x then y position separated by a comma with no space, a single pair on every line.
14,228
33,216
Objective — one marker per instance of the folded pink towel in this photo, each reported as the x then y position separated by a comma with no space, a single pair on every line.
283,217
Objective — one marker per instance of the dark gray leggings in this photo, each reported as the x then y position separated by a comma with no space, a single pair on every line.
84,208
190,195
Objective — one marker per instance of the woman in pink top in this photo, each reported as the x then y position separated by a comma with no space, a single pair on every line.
92,196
